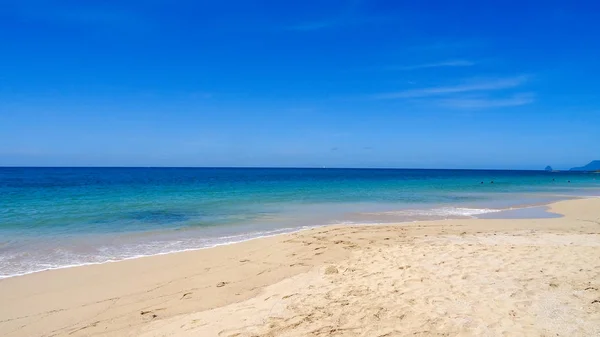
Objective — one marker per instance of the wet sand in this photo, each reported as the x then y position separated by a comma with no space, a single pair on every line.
468,277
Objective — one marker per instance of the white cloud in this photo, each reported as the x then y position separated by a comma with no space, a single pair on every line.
487,85
449,63
483,103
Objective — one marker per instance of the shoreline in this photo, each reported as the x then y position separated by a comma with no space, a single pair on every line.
158,295
280,231
2,277
303,228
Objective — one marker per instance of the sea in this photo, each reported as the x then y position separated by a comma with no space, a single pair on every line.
62,217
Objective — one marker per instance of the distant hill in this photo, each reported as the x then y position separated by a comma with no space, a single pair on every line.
592,166
548,168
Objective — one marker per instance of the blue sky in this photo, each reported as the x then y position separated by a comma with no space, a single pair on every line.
432,84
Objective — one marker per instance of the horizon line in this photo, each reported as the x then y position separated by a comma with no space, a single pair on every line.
281,167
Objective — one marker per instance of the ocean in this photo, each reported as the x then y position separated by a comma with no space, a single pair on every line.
59,217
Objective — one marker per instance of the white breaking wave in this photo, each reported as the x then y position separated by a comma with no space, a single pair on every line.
439,212
26,262
22,263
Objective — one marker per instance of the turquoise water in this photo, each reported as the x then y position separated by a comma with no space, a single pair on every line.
57,217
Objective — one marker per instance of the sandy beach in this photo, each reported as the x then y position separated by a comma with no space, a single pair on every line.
535,277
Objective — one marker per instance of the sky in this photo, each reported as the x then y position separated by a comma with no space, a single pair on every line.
341,83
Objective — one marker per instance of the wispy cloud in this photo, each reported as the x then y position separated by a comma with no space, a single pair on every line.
445,45
482,85
486,103
449,63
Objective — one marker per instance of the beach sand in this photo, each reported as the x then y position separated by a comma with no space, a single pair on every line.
536,277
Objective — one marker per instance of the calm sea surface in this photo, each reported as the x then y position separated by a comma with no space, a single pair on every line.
58,217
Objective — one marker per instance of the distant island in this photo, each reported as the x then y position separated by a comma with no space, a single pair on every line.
591,167
548,168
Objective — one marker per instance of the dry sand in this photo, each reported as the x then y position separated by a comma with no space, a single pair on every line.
537,277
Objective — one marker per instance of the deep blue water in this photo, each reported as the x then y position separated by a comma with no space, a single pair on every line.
53,217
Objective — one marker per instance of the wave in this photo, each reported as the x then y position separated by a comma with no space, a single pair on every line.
438,212
24,263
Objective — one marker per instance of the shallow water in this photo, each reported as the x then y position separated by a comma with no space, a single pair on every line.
536,212
56,217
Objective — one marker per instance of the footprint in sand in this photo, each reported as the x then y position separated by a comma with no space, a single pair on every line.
150,313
